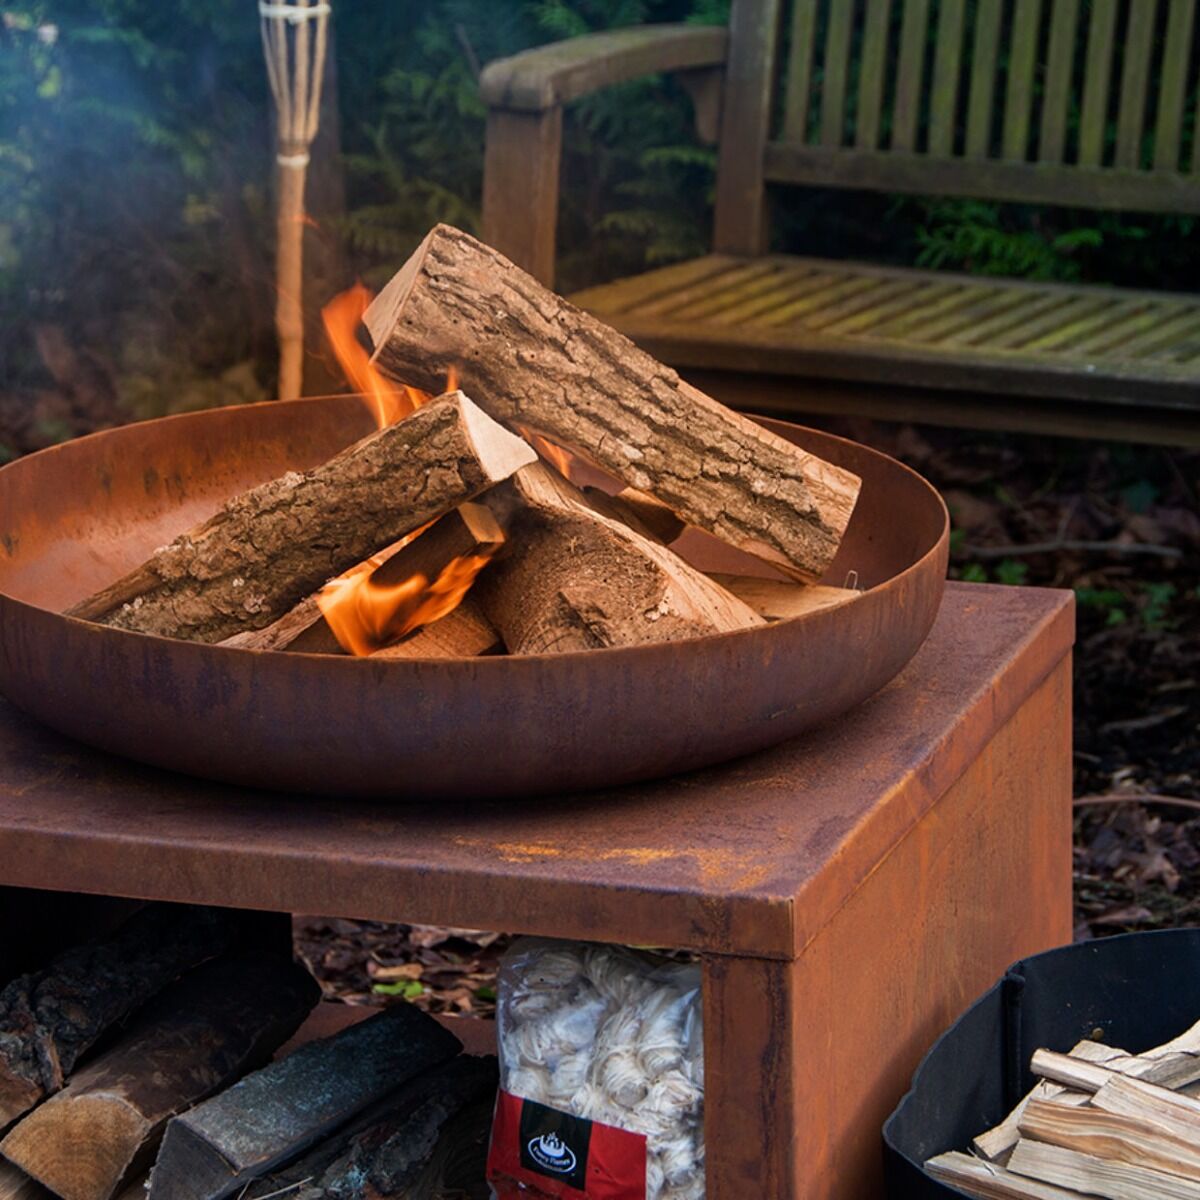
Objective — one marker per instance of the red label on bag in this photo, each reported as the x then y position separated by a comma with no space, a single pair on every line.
540,1151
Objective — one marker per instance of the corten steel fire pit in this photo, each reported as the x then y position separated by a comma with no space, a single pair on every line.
77,516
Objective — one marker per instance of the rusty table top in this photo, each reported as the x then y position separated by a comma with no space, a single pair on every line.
748,858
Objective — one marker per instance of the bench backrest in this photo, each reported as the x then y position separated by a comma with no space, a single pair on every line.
1081,102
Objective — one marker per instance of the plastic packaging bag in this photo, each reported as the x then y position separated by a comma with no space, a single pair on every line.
601,1075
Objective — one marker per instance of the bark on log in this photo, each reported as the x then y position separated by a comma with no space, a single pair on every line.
404,1157
575,579
275,1114
49,1018
777,600
399,1147
270,547
536,360
202,1033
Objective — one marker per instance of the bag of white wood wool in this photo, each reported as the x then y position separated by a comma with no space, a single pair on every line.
601,1075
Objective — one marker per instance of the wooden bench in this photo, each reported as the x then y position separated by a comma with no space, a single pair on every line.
964,97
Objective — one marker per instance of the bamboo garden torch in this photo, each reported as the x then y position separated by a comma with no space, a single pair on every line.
294,36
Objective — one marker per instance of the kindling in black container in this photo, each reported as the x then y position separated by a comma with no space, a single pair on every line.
1134,991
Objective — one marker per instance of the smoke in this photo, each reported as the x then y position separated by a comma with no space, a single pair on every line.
134,207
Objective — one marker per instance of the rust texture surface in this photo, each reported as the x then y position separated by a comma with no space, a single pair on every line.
754,857
983,879
78,516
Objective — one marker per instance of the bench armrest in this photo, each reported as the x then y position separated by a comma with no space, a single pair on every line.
548,76
525,95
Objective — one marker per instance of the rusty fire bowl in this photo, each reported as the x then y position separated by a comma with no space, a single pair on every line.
75,517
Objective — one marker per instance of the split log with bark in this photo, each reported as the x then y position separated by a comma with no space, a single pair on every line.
535,360
200,1034
277,1113
469,529
270,547
49,1018
397,1148
576,579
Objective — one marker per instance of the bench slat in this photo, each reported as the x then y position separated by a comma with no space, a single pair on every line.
1172,89
947,62
797,101
1060,68
1152,316
994,304
814,287
872,73
1022,59
983,78
913,31
1069,334
840,289
990,179
1135,79
918,317
836,68
1097,79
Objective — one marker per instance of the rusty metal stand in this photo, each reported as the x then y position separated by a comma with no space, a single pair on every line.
850,892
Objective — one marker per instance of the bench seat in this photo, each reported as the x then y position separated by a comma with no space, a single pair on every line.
823,319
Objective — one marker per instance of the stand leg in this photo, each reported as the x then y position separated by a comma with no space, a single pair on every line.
804,1060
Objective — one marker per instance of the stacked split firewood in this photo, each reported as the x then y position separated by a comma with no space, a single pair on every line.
1099,1122
169,1045
458,484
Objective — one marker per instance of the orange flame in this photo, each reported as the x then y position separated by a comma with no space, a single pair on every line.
560,459
366,615
387,401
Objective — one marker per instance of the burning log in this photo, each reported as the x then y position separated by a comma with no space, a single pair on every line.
401,591
49,1018
279,1112
395,1149
777,600
270,547
200,1034
539,361
301,629
576,579
417,585
463,633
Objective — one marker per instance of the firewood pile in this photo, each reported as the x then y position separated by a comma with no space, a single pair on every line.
159,1047
1099,1122
377,551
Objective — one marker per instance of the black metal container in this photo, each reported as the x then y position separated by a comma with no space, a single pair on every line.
1135,991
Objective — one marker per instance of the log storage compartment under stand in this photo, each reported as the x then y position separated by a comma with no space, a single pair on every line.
385,1109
